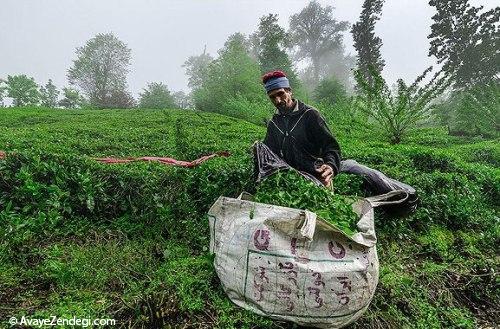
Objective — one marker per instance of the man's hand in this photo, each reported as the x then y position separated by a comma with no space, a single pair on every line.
326,172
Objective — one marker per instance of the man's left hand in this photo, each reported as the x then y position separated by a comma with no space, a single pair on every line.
326,172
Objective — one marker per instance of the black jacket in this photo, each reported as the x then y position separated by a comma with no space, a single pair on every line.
302,138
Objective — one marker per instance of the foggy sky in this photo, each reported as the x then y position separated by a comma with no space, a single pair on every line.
38,37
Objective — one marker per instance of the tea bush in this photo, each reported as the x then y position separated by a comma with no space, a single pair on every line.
130,241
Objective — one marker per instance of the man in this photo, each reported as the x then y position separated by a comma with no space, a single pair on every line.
298,133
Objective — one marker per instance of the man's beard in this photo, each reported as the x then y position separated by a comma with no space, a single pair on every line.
282,107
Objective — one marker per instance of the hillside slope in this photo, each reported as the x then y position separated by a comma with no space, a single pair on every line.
129,241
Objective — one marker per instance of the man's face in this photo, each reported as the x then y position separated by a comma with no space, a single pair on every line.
281,98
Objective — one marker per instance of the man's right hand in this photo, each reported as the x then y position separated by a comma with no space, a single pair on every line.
326,172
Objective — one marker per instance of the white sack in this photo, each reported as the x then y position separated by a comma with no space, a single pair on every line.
289,264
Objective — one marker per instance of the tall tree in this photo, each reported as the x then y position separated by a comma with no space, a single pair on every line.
156,96
23,90
330,91
367,44
3,90
335,64
101,68
71,98
466,40
119,99
49,94
315,33
232,83
196,69
477,111
269,43
182,100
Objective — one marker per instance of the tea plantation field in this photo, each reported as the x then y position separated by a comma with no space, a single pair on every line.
130,241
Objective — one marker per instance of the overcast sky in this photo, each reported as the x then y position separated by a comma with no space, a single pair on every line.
39,37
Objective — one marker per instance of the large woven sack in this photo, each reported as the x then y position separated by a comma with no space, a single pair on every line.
289,264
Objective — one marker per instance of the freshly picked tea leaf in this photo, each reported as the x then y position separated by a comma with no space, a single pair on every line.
289,189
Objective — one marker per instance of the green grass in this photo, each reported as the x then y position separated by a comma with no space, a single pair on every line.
130,241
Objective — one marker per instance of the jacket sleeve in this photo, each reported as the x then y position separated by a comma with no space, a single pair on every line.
329,147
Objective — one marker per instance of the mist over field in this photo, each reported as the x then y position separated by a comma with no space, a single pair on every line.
163,34
250,164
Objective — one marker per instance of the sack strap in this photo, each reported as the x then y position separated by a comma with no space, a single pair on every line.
381,200
245,196
309,226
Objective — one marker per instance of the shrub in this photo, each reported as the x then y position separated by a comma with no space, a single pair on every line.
396,112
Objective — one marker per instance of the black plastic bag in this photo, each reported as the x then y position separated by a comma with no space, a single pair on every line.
266,163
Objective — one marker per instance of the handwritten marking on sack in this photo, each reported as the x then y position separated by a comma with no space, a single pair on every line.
288,269
259,279
285,292
293,246
261,239
365,259
283,285
336,249
293,250
346,285
317,289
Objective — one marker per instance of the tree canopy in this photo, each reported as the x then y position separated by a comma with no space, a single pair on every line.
196,69
22,89
466,40
71,98
156,96
49,94
100,70
232,83
367,44
330,91
269,43
316,35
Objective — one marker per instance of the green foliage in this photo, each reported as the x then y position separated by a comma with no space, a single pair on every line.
71,99
465,40
118,99
478,111
156,96
316,35
22,89
197,69
344,117
130,241
181,100
197,275
398,111
330,91
3,90
100,70
269,43
49,95
472,112
232,84
365,42
438,240
348,184
289,189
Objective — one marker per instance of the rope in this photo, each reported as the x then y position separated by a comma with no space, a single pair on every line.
163,160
